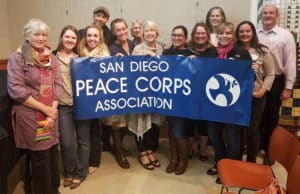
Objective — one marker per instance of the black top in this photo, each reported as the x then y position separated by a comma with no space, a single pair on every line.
209,52
117,48
239,53
174,51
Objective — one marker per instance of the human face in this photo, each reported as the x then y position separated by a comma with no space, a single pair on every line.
150,34
225,37
178,38
215,18
92,38
269,17
121,31
69,40
245,34
37,40
200,37
100,19
137,30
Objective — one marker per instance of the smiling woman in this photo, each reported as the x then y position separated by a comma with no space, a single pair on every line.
34,84
263,66
92,45
215,16
226,50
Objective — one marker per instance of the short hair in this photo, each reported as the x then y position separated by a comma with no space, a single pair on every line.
183,28
270,5
35,26
63,31
136,21
101,9
224,25
207,20
152,25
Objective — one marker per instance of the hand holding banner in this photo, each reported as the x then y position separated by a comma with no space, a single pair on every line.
198,88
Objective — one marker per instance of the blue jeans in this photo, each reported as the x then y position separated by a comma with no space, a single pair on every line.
84,144
229,146
73,151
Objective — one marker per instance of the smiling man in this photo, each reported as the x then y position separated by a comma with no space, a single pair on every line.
100,18
282,44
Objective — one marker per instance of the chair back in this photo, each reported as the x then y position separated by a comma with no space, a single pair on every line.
236,173
284,147
293,180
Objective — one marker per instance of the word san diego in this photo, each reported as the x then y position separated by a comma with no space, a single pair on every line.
113,85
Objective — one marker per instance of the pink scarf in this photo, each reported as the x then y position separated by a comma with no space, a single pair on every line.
223,51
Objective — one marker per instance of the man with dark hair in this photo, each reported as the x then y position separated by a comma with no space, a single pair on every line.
100,17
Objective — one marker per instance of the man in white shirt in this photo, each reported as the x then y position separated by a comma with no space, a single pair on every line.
282,44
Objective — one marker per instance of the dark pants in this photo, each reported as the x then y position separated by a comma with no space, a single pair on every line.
202,127
5,163
95,155
253,131
45,173
181,127
149,140
9,156
271,113
232,135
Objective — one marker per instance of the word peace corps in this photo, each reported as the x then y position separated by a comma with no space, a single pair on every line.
142,84
198,88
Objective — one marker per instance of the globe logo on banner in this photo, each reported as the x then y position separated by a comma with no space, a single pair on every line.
223,90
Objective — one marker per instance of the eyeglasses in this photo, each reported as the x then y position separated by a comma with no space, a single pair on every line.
178,35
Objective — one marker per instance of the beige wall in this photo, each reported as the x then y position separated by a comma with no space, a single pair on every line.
57,13
4,32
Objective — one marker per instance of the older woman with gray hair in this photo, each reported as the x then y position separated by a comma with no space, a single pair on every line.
145,126
34,84
136,31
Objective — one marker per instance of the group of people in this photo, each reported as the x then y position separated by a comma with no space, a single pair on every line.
39,82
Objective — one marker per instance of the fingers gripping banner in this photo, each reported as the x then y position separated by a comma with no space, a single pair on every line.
197,88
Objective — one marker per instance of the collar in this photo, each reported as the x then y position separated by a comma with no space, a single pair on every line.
275,30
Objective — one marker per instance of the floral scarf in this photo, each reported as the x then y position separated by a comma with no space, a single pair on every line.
223,51
32,56
41,59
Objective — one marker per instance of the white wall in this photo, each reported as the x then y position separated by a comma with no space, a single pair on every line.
166,13
4,32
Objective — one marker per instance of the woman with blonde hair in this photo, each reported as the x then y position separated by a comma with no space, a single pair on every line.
146,126
226,49
93,45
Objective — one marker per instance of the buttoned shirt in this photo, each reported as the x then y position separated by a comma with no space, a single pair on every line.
282,44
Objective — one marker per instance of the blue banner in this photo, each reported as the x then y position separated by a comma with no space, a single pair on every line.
198,88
